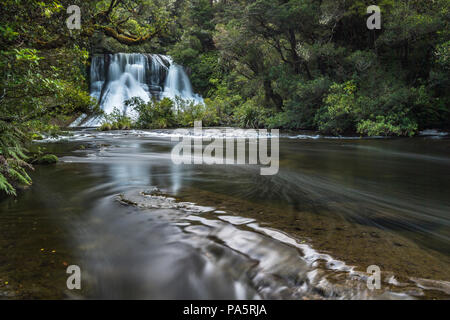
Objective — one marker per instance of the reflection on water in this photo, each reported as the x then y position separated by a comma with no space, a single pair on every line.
231,233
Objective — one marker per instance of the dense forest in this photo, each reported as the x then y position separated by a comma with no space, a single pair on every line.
289,64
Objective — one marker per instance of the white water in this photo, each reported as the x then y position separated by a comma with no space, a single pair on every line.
177,84
125,79
121,76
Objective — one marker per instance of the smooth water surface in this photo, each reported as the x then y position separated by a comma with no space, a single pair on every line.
141,227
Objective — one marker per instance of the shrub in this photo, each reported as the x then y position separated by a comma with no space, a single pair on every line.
188,112
105,127
250,115
116,121
154,114
302,100
337,115
388,126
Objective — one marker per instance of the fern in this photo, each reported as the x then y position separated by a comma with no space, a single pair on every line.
20,176
13,163
6,187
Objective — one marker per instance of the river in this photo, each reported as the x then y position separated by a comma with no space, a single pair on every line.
141,227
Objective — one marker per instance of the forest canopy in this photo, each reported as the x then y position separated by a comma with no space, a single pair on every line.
290,64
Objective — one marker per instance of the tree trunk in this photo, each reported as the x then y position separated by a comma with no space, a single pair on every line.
272,96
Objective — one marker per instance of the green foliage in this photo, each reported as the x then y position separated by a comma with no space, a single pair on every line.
388,126
387,111
337,115
168,114
442,55
304,98
290,64
154,114
12,159
250,115
314,65
195,49
105,126
116,120
224,102
188,112
43,82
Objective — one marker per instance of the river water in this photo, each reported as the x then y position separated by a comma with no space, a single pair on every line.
141,227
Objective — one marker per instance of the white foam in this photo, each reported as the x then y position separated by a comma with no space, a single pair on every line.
236,220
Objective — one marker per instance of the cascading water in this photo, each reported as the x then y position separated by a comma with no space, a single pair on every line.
177,84
118,77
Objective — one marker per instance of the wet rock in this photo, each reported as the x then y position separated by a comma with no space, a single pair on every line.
443,286
47,159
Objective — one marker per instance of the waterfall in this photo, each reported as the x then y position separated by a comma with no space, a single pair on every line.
177,84
118,77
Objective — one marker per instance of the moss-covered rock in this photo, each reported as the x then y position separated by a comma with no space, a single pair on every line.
47,159
36,136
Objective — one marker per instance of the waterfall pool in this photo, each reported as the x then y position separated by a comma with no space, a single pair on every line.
139,226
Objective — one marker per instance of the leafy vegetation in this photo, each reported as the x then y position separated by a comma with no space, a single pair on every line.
303,64
161,114
116,121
